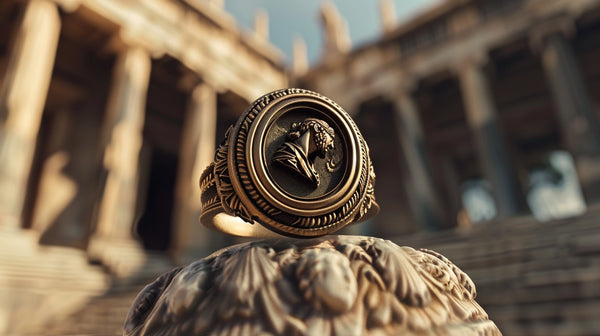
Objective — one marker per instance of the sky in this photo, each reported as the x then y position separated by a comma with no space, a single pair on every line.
300,18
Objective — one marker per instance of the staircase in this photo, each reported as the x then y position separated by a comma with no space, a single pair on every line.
38,282
105,314
51,290
532,278
102,315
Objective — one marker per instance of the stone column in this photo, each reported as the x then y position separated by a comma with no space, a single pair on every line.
22,98
196,153
426,203
579,125
124,122
482,119
122,137
69,178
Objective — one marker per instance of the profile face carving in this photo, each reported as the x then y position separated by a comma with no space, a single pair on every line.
305,141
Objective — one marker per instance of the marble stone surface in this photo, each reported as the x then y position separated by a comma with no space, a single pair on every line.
333,285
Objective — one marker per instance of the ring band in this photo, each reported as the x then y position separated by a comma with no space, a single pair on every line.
294,164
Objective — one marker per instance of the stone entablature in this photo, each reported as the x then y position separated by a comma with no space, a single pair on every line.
199,34
434,42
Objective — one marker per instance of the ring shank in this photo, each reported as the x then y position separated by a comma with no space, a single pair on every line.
221,221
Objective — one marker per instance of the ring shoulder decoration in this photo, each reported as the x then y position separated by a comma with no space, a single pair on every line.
294,164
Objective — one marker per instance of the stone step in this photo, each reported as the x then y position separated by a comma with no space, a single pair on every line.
549,328
532,278
566,311
103,315
515,295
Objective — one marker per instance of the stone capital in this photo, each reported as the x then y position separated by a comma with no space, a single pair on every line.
478,58
404,84
188,81
126,38
407,85
562,25
69,6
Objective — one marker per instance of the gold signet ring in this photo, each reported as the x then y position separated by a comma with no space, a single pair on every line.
294,164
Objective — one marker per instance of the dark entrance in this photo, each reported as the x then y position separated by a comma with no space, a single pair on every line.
159,157
154,227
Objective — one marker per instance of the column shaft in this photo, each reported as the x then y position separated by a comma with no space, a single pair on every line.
123,128
426,203
196,153
580,127
22,98
482,118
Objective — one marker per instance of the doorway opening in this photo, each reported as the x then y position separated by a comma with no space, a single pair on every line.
159,156
154,227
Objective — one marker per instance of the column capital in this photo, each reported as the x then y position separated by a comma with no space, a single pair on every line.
562,26
201,94
69,6
407,84
127,38
188,81
476,59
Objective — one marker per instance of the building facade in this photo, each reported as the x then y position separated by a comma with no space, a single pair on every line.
109,112
472,91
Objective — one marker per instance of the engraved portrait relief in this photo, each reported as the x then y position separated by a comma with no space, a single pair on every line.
303,143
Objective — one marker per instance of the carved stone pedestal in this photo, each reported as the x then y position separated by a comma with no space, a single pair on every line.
334,285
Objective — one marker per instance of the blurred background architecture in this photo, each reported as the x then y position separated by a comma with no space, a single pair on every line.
482,117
